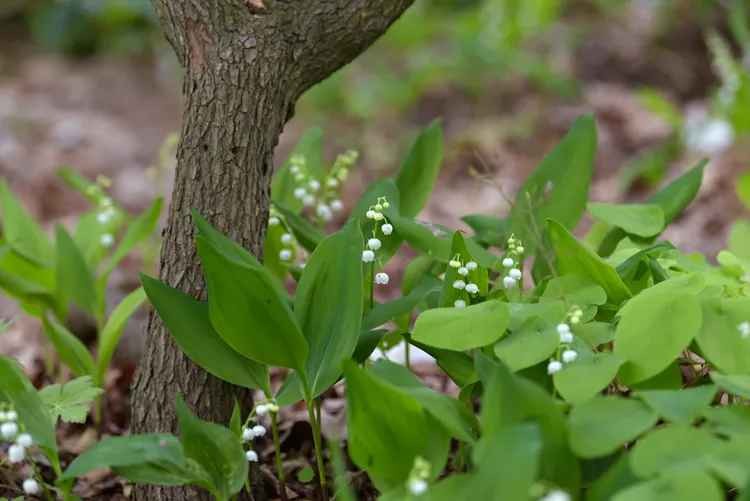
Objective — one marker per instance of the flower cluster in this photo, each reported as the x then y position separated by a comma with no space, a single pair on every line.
106,211
20,442
565,352
323,195
467,289
373,244
418,477
512,263
744,329
253,429
289,246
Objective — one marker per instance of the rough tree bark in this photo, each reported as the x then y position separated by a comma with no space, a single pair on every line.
246,64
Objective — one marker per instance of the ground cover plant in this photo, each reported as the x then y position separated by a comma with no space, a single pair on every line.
608,366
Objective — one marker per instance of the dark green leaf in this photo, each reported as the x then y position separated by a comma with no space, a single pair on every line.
20,230
583,379
643,220
69,348
420,169
679,406
109,336
75,280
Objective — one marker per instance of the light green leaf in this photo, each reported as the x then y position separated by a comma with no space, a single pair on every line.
602,425
20,230
215,448
420,169
677,486
679,406
574,258
559,186
586,377
328,305
532,343
739,239
140,229
719,337
109,336
462,328
32,413
69,348
656,325
382,419
673,448
74,279
738,384
70,401
743,188
643,220
188,321
574,290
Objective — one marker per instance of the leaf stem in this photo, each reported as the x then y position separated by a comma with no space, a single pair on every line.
315,424
277,448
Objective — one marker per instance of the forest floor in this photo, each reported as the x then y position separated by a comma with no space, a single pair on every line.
110,116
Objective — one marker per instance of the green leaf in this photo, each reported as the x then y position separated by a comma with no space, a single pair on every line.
586,377
719,337
32,413
248,311
140,229
677,486
559,186
655,326
602,425
20,230
120,453
679,406
462,328
574,290
188,321
738,384
328,305
69,348
109,336
739,239
574,258
452,414
74,279
673,448
532,343
643,220
215,448
70,401
743,189
420,169
618,477
488,230
305,233
382,419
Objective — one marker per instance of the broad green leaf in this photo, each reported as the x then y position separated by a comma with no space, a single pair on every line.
679,406
643,220
574,290
74,279
672,199
574,258
719,337
739,384
550,312
462,328
420,169
20,230
655,326
532,343
158,449
328,305
70,401
27,281
452,414
559,186
215,448
248,312
602,425
618,477
188,321
382,419
109,336
586,377
140,229
677,486
310,145
728,419
457,365
673,448
32,413
69,348
596,333
488,230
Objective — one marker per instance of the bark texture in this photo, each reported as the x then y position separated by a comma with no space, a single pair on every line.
246,63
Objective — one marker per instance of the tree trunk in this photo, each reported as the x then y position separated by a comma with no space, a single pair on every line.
246,62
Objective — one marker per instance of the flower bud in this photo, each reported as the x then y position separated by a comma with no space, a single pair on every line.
508,262
382,278
463,271
368,256
258,430
453,263
252,456
300,193
9,430
16,453
31,486
472,288
459,303
247,434
569,356
285,254
24,440
374,244
107,239
417,486
509,282
459,284
286,239
471,265
273,221
336,205
554,367
387,229
515,274
566,337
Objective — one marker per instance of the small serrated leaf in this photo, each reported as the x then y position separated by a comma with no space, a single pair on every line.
70,401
